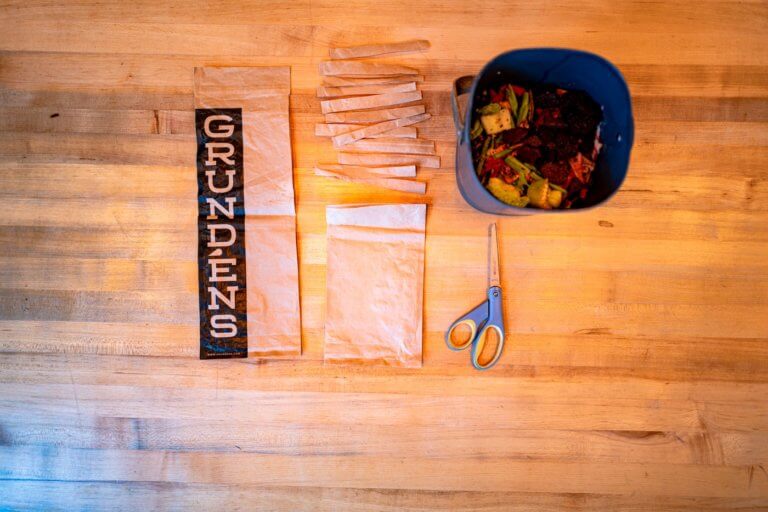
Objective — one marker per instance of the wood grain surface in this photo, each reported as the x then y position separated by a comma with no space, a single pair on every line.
635,376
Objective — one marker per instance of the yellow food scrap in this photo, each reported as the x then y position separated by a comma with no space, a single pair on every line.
506,193
537,193
554,198
497,122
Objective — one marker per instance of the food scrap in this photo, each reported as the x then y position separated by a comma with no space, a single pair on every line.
536,147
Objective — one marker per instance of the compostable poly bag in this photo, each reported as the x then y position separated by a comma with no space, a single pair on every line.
248,271
375,284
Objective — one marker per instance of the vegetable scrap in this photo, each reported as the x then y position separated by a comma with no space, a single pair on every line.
536,147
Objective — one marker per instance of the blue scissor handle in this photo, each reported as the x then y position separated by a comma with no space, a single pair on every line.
486,315
474,320
495,321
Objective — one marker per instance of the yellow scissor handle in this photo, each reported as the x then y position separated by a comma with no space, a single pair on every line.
455,339
477,348
471,320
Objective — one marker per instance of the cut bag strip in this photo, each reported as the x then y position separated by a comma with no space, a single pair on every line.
400,185
340,81
329,130
375,116
372,101
364,69
271,266
393,145
375,129
375,284
372,50
393,171
374,159
361,90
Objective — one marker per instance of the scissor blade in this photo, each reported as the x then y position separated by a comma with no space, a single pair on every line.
493,257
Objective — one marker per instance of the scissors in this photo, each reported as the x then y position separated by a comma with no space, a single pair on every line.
486,316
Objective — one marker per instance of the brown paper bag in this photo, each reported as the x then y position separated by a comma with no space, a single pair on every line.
269,308
375,282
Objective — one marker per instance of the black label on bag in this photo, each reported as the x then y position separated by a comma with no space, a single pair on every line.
221,230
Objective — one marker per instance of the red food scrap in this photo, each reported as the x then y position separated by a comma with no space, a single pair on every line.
549,117
514,135
528,154
556,172
509,179
581,167
495,167
497,96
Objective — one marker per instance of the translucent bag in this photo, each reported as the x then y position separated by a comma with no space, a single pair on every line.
243,128
375,284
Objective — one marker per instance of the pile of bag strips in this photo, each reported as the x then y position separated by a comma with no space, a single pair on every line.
371,109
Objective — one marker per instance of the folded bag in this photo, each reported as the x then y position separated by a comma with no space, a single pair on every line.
249,289
375,284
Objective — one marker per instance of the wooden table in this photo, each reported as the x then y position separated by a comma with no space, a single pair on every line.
636,371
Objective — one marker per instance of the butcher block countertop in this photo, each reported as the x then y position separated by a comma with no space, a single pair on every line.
635,376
